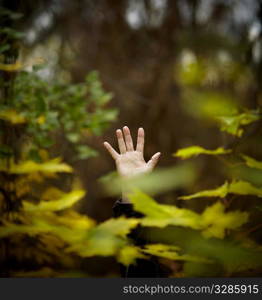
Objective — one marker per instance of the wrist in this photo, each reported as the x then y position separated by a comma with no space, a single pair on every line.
125,198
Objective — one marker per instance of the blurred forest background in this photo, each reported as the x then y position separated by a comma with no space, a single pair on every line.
187,71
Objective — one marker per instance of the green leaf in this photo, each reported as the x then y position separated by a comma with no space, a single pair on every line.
213,221
105,239
237,187
252,163
234,124
216,220
229,255
41,225
180,176
196,150
10,229
217,192
163,215
12,116
29,166
171,252
244,188
73,137
4,47
66,201
128,255
85,152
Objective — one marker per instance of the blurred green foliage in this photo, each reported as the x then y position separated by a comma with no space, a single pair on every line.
76,110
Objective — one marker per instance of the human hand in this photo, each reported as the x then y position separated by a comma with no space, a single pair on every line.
130,162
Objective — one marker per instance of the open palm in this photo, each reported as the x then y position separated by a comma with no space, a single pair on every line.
130,161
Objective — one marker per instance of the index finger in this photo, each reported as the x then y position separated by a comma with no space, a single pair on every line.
111,150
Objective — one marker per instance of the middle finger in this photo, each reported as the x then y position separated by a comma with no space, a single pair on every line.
128,139
121,142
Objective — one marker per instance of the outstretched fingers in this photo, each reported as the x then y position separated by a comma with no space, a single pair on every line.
140,140
128,139
153,161
111,150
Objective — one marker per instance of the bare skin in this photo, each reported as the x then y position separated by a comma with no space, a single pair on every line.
130,161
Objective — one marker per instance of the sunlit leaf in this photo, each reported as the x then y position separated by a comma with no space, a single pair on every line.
29,166
196,150
171,252
237,187
128,255
11,67
252,163
216,220
11,228
234,124
217,192
66,201
244,188
118,226
163,215
71,219
41,224
41,120
51,193
105,239
12,116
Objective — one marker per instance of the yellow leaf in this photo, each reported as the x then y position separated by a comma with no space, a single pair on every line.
128,255
235,187
119,226
234,124
218,192
216,220
244,188
105,239
162,215
157,215
70,219
30,166
66,201
52,193
41,120
252,163
12,116
74,220
196,150
171,252
11,67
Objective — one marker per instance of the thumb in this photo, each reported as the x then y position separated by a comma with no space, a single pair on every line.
153,161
